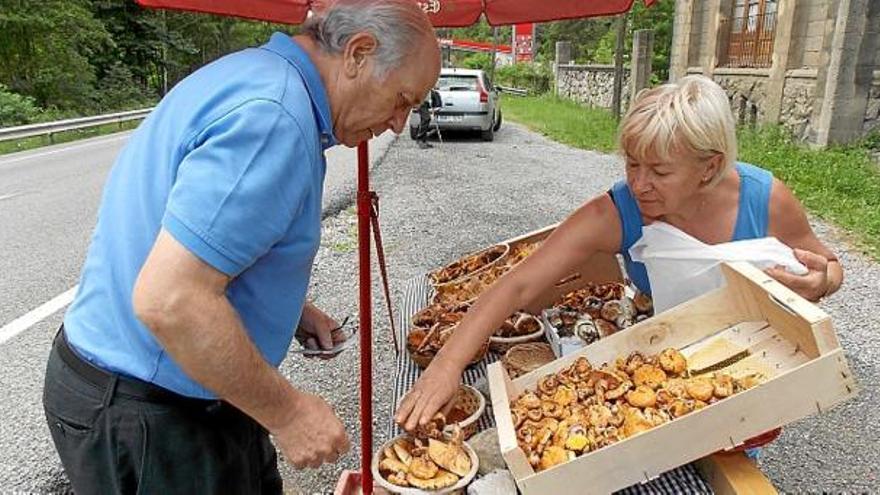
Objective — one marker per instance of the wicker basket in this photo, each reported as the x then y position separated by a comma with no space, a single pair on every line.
456,488
471,402
503,344
522,358
503,248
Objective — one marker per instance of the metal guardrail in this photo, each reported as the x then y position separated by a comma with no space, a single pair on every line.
512,91
50,128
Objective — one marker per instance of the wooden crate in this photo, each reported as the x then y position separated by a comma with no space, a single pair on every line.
600,267
783,335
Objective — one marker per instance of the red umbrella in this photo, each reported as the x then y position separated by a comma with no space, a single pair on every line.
443,13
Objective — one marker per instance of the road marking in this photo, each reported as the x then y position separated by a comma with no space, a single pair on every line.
37,315
65,149
11,195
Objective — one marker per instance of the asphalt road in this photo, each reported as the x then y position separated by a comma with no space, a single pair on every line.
436,205
48,205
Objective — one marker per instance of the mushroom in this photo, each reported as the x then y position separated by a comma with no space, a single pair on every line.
672,361
723,385
650,375
642,396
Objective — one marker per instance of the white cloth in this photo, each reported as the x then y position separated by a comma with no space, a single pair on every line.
681,267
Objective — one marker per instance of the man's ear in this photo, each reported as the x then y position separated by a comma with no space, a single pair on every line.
356,53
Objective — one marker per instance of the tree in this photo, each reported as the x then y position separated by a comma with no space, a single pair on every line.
16,109
593,40
45,49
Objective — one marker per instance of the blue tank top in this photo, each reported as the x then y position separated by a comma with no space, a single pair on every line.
752,216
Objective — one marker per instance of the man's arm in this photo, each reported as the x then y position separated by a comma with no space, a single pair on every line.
182,300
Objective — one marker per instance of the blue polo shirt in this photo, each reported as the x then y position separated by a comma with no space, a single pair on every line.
231,164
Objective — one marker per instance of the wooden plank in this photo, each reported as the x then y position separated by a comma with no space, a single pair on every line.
722,346
814,386
734,474
766,299
501,389
599,268
532,236
763,349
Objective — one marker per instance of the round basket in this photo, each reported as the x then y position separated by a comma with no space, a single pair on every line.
523,358
471,402
503,344
502,250
456,488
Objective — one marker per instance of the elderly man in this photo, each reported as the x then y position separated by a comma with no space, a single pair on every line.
163,378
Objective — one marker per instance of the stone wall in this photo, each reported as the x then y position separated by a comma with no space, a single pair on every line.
591,85
808,33
872,113
746,89
798,100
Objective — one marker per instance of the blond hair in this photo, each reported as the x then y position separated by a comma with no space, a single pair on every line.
691,115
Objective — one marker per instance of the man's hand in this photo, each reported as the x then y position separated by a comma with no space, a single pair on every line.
435,388
313,435
812,286
317,330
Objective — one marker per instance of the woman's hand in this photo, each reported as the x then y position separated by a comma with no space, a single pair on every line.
812,286
436,387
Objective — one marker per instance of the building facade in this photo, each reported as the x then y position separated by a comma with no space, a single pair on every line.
812,66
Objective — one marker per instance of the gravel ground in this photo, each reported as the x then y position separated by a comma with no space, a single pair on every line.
465,194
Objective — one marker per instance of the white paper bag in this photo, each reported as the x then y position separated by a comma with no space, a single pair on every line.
681,267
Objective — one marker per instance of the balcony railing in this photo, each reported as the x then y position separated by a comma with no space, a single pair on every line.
747,41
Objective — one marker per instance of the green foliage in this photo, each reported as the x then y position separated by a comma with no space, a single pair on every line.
594,40
45,50
535,77
16,109
481,31
82,57
565,121
841,184
117,90
475,61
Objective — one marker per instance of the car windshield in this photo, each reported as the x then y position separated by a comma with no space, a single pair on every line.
457,83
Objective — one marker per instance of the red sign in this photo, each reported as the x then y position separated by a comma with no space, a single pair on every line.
523,41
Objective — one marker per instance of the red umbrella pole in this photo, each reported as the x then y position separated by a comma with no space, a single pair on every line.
364,206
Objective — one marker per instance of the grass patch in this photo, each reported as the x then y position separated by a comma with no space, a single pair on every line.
839,184
564,121
348,244
65,137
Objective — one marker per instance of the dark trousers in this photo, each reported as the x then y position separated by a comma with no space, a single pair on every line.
424,123
119,435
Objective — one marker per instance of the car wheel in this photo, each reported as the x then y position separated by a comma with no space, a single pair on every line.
497,122
413,132
488,135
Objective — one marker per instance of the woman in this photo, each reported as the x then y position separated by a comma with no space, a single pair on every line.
679,143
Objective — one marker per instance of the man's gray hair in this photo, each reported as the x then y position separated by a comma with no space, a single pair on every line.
398,26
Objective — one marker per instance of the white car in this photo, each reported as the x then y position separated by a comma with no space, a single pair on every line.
470,102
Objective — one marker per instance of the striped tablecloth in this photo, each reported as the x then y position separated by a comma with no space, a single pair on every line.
684,479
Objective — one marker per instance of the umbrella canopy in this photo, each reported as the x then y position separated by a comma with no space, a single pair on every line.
443,13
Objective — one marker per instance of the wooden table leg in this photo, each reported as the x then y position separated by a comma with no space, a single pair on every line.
734,474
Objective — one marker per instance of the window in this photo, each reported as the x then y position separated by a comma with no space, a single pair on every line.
750,33
457,83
